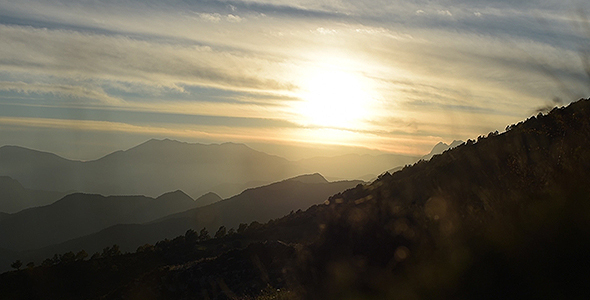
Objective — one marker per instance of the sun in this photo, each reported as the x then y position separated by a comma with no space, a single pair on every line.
333,98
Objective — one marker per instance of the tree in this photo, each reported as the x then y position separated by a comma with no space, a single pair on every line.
30,265
17,264
220,232
68,257
81,255
204,234
254,225
145,248
242,227
191,236
55,259
110,252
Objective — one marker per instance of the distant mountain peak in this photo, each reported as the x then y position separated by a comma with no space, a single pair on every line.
440,148
178,194
9,181
158,142
309,178
456,143
207,199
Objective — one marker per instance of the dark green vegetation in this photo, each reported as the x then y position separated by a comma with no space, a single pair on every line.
503,217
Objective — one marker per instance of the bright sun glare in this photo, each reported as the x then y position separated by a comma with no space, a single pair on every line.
334,99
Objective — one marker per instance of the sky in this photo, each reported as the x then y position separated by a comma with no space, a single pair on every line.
85,78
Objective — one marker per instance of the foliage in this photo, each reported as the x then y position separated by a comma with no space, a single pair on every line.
505,216
16,265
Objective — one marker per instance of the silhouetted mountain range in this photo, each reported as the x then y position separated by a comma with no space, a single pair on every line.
505,216
152,168
440,148
14,197
355,166
159,166
257,204
81,214
207,199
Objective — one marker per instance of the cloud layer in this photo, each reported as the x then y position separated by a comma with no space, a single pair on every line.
436,70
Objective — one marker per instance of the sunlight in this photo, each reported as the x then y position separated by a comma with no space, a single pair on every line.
334,98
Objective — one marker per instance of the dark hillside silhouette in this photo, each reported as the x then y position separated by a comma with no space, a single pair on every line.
440,148
503,217
355,166
81,214
257,204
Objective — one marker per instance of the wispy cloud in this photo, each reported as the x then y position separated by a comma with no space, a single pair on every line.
66,91
477,61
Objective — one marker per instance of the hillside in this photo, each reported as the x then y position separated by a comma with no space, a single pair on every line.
159,166
152,168
440,148
257,204
355,166
14,197
505,216
81,214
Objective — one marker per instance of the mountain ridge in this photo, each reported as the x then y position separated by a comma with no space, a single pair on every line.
505,216
80,214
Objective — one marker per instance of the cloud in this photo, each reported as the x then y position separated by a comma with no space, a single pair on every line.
76,55
233,18
215,17
68,91
445,13
248,58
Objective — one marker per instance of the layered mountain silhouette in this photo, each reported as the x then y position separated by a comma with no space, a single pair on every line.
152,168
81,214
207,199
14,197
158,166
257,204
440,148
505,216
355,166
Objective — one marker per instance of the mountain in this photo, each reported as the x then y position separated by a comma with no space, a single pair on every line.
354,166
258,204
503,217
14,197
207,199
440,148
194,168
159,166
152,168
39,170
81,214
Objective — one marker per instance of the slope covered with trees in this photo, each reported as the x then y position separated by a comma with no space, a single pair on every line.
506,216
